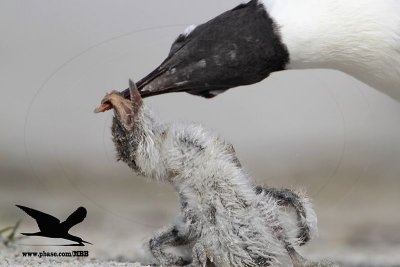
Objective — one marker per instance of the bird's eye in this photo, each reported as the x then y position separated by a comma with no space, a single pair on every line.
177,44
181,38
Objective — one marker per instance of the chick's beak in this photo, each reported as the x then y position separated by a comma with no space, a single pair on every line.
123,107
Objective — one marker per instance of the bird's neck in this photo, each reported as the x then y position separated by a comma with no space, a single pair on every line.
357,38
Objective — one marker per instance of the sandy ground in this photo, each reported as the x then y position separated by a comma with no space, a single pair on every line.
12,256
359,222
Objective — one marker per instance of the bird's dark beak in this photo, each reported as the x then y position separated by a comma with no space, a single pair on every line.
235,48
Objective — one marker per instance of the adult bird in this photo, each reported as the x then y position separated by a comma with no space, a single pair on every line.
246,44
51,227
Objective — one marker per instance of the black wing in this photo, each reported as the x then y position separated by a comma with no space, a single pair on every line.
76,217
44,220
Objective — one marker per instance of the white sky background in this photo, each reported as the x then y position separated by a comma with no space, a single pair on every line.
58,58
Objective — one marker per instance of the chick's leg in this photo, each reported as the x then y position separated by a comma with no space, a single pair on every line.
299,261
168,238
199,256
286,197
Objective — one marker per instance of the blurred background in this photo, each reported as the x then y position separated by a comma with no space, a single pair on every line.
319,130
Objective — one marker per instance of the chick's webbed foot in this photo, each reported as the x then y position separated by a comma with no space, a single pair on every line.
168,238
199,256
299,261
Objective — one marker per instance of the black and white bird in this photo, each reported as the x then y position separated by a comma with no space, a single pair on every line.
246,44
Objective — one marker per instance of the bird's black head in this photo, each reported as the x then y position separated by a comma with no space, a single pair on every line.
239,47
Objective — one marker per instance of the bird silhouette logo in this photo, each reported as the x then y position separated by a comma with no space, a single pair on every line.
51,227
